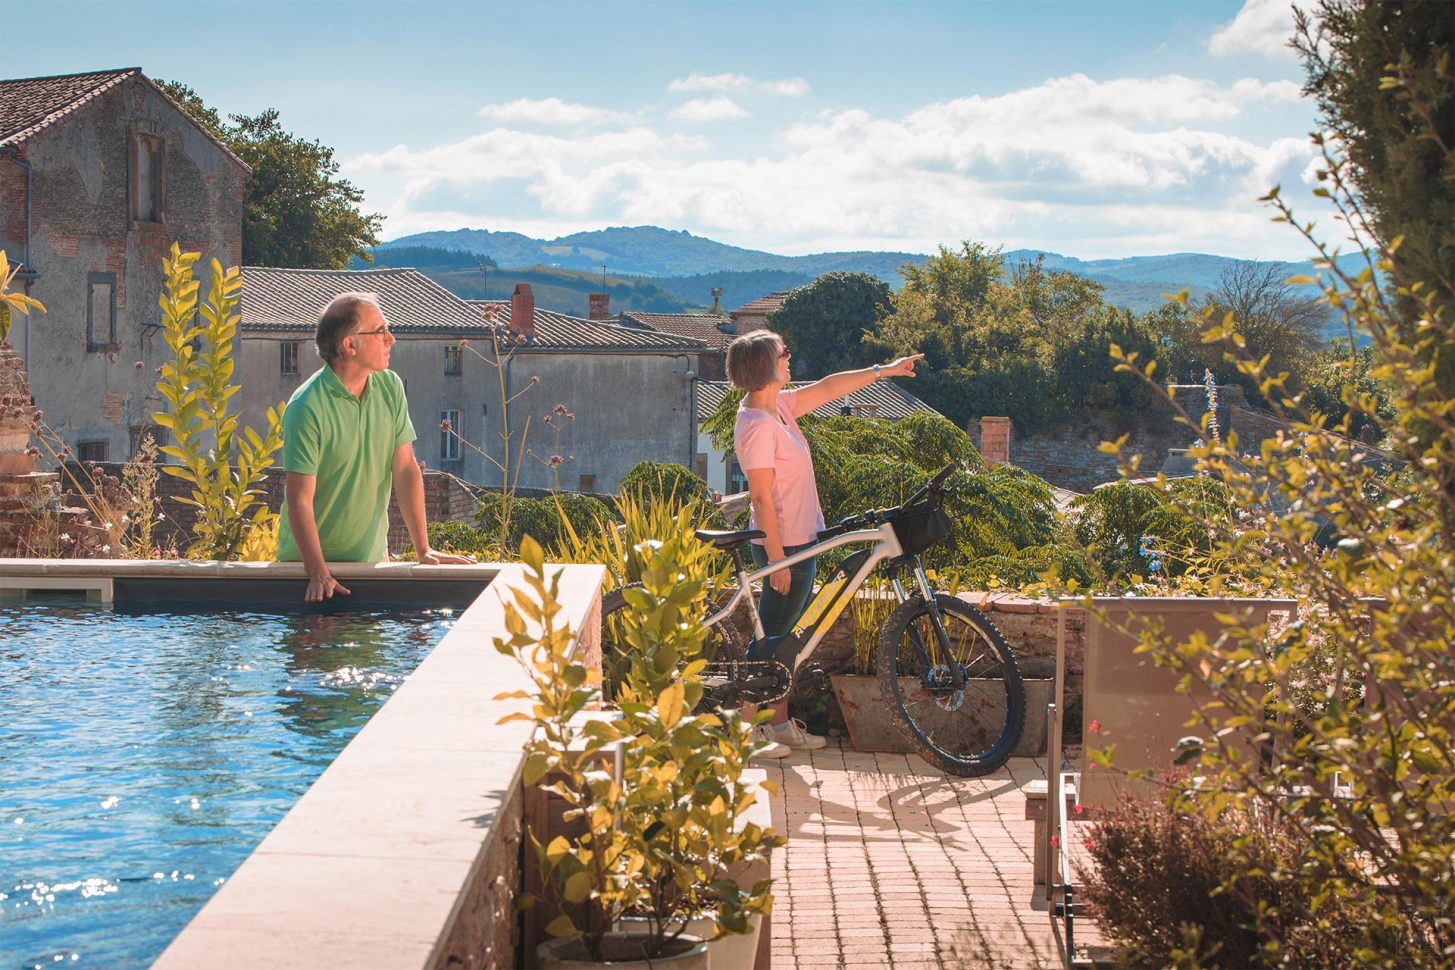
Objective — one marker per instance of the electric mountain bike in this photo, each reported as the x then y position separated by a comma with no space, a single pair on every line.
950,681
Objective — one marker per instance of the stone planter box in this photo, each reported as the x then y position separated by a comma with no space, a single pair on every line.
870,729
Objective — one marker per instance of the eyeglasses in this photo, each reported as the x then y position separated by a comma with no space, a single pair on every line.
784,354
374,333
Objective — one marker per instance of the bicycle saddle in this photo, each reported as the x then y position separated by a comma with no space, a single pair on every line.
726,540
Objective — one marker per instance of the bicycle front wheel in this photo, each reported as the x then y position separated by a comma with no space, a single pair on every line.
958,699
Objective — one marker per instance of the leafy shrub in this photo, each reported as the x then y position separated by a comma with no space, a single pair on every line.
1172,885
663,481
450,535
542,518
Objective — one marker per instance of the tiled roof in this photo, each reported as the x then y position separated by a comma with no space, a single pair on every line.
762,306
890,400
291,299
559,331
707,327
29,105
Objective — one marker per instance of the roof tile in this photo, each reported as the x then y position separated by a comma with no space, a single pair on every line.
560,331
30,104
707,327
291,299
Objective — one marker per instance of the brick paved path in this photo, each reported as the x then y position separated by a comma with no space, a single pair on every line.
889,860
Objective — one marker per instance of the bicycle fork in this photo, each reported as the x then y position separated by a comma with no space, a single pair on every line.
955,669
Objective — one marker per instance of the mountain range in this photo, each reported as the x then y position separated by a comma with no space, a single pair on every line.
675,270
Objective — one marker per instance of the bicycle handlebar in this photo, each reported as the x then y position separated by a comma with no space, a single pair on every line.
872,517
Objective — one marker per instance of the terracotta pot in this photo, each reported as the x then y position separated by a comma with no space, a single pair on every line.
863,705
623,949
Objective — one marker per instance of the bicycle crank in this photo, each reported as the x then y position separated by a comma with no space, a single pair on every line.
748,681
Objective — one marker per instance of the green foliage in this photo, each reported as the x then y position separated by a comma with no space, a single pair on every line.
544,519
663,481
10,302
451,535
645,519
823,323
1172,886
296,210
667,836
1355,714
225,465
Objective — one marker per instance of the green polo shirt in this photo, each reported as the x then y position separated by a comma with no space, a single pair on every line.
347,444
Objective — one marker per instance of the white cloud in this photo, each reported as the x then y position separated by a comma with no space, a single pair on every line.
720,108
551,112
1261,27
697,81
1092,168
789,87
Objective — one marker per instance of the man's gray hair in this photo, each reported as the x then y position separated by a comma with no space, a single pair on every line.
338,320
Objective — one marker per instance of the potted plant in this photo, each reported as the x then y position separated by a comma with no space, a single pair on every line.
857,691
654,797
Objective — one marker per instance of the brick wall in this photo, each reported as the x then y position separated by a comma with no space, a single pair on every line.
444,498
1069,457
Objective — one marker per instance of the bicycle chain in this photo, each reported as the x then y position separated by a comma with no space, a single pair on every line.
727,675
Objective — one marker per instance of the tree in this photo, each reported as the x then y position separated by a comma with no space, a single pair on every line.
296,211
1272,316
1366,64
824,322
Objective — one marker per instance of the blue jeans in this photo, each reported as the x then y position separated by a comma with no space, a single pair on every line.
780,611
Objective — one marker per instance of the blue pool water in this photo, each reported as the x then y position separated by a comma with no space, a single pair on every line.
142,757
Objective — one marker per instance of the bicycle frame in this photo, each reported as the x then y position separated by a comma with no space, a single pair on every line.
886,546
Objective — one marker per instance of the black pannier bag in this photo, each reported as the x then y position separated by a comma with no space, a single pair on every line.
920,527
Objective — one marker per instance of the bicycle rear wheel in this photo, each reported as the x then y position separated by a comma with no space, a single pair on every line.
969,730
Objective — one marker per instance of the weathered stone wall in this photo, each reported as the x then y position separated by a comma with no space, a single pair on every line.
485,929
1070,458
82,225
444,498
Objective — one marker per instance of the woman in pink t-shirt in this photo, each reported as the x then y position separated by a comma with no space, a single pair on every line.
774,456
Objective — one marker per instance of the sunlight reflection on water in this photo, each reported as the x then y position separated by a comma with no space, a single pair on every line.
146,755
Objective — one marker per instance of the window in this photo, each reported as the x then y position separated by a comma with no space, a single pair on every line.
736,480
588,483
139,433
101,311
89,451
288,357
454,361
148,159
450,431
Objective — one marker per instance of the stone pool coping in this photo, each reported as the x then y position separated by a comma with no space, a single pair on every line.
402,853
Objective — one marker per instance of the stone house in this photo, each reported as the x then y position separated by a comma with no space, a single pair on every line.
756,314
99,174
883,399
717,330
627,389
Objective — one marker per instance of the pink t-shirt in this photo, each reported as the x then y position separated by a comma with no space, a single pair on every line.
765,441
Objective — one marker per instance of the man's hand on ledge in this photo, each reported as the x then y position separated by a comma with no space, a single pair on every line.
432,558
322,587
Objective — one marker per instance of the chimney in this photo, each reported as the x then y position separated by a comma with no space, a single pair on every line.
717,300
523,312
600,305
995,441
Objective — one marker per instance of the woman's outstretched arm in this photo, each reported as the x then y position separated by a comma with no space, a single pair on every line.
835,386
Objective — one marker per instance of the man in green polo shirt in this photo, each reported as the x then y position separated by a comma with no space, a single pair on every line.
347,438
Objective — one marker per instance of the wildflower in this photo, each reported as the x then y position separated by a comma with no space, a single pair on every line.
560,409
446,425
547,419
555,461
156,553
139,364
1078,809
462,343
33,451
37,414
106,549
109,526
1090,843
65,537
1095,726
534,380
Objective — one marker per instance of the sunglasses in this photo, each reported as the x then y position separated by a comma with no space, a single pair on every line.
784,354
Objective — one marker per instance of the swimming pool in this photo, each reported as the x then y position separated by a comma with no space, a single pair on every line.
144,755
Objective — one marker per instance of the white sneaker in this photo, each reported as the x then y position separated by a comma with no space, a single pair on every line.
794,733
772,747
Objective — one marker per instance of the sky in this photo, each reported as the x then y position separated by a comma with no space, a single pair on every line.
1094,128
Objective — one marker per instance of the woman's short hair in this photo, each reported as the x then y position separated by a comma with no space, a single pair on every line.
752,360
338,320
